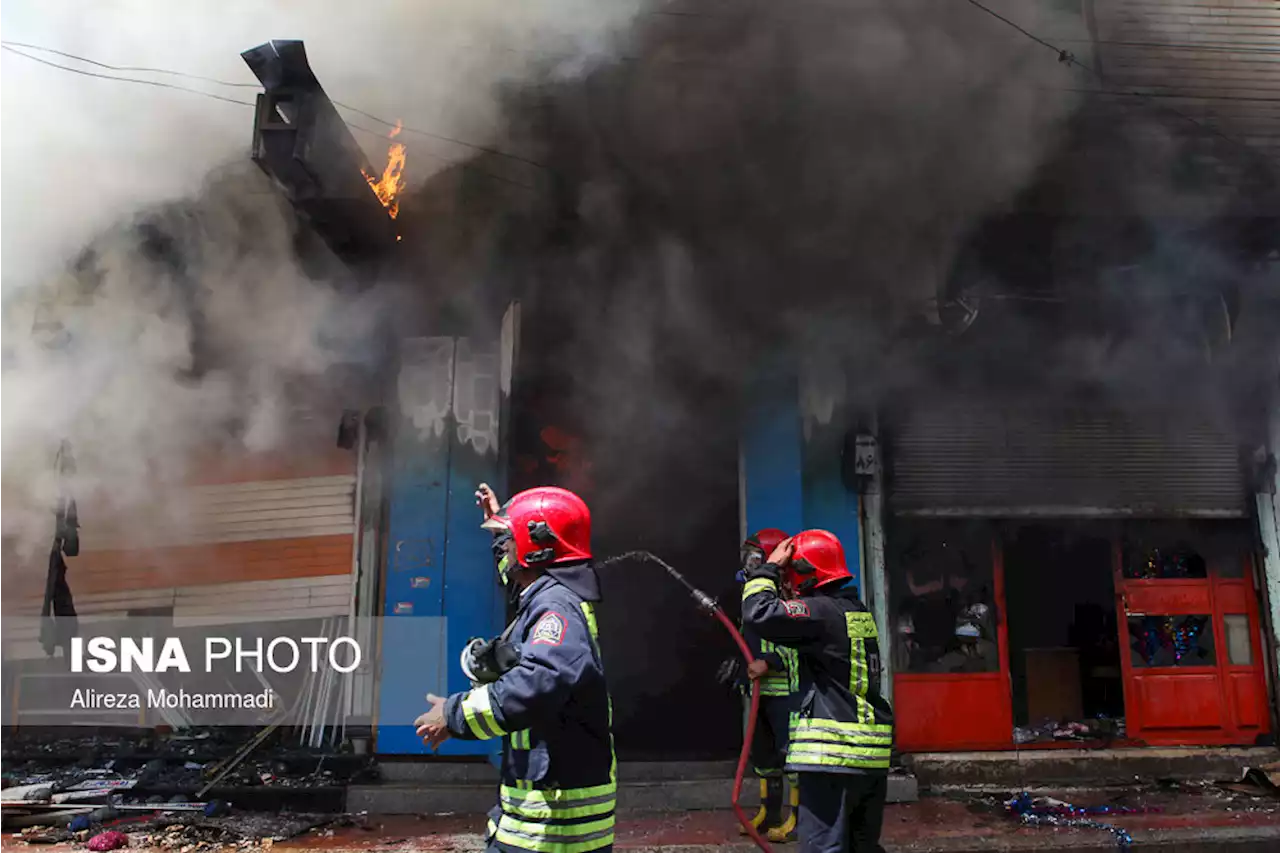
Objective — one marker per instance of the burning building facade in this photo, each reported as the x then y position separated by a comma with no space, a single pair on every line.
1006,326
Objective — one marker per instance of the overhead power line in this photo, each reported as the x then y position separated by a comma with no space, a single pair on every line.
12,48
1066,57
10,45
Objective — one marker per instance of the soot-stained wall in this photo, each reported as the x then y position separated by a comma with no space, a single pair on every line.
664,481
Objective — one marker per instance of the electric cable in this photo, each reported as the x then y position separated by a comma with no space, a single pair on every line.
1068,58
158,84
11,47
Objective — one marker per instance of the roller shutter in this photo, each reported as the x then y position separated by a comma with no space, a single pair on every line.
1058,460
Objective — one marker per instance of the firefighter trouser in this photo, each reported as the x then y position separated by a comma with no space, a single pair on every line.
842,812
769,743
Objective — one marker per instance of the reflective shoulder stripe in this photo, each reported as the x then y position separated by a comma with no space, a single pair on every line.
756,585
589,611
860,625
521,739
479,714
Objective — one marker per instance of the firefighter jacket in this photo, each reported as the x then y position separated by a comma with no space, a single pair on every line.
554,715
843,724
783,677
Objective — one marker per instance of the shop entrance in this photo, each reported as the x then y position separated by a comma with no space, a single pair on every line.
1071,633
1188,612
1064,652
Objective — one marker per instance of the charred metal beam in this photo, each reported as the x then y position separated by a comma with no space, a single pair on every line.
301,141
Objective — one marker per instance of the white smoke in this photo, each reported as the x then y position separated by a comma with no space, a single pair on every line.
142,363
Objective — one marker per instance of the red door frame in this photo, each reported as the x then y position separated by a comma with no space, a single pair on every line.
1193,706
944,711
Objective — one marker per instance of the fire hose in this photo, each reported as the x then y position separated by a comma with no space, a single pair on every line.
709,604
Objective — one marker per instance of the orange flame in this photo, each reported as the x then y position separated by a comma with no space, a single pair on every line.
389,186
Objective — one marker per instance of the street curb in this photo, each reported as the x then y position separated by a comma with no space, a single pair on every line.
1216,840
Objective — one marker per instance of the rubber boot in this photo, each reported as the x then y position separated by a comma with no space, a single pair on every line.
787,830
758,820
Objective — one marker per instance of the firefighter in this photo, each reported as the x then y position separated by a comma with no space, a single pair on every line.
776,670
548,701
843,733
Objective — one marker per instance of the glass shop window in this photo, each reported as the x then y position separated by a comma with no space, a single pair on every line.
1171,641
942,597
1239,639
1185,550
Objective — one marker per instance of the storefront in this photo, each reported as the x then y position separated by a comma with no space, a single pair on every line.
1064,575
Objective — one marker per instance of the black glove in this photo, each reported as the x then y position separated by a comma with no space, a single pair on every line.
761,570
729,675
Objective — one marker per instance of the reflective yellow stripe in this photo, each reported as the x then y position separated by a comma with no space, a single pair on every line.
792,659
560,804
590,613
860,624
758,585
559,796
521,739
860,627
555,838
479,714
835,727
832,755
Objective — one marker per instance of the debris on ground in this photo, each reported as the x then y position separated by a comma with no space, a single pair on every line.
109,840
1049,811
1098,729
172,790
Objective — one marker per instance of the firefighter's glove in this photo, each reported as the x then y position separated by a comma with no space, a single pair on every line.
485,661
729,675
762,570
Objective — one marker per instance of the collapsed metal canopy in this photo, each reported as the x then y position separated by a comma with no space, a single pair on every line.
301,141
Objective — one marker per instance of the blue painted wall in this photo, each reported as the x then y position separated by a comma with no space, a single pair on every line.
790,482
441,588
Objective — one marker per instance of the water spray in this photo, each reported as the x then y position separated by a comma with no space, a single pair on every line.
710,606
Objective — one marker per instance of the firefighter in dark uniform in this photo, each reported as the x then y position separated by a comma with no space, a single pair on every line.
776,669
540,686
843,733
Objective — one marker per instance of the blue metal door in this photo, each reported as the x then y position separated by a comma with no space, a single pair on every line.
441,588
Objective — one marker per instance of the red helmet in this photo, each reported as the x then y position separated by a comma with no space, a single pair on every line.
818,560
551,526
758,547
766,540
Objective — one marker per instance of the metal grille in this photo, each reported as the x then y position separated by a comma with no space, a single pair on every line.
954,459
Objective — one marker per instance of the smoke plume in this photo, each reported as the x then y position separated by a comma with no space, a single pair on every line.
156,306
751,178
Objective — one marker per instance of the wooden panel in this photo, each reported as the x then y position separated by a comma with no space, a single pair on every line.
1248,698
261,509
1053,684
1185,700
951,712
316,459
195,565
1172,597
215,604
